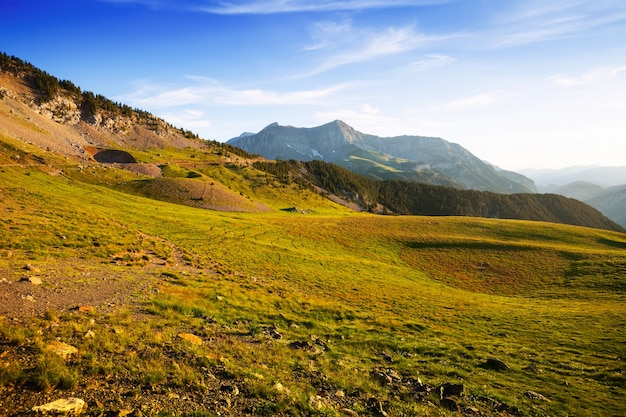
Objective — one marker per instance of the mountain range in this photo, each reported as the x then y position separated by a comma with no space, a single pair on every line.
423,159
51,123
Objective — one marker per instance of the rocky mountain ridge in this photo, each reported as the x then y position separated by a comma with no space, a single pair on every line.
415,158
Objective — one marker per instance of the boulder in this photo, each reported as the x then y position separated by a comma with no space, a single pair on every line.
495,364
448,390
66,406
32,280
62,349
535,396
191,338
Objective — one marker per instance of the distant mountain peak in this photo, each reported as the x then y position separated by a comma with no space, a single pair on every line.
414,158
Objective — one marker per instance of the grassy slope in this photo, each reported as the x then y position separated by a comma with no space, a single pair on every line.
438,295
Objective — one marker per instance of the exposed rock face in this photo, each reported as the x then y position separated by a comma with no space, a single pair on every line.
61,110
425,159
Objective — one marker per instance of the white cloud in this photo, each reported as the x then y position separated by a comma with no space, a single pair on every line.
207,91
595,75
358,46
430,61
291,6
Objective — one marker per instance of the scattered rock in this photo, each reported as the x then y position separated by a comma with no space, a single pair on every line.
66,406
317,402
33,269
272,331
449,390
191,338
85,309
32,280
386,376
62,349
349,412
321,343
496,365
89,335
230,389
536,396
125,412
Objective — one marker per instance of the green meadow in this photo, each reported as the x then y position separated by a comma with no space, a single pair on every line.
322,311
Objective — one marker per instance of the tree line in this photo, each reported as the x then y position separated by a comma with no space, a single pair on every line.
414,198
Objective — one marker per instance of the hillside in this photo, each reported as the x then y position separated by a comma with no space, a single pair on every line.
53,122
610,201
600,187
403,197
149,273
412,158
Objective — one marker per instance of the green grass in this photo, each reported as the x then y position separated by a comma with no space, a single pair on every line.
436,295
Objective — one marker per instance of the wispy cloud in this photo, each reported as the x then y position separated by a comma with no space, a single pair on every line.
595,75
536,21
430,61
291,6
359,45
206,91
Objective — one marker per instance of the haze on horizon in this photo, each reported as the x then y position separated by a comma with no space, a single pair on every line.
521,84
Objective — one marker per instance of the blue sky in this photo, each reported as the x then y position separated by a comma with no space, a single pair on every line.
520,83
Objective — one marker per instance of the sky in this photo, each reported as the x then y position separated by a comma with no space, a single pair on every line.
519,83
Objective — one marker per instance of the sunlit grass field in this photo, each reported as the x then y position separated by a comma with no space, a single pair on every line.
427,297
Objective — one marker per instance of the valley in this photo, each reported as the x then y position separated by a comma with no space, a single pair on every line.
192,283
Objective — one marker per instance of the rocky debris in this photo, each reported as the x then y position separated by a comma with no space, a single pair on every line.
319,342
191,338
62,349
66,406
377,407
61,110
304,345
272,332
536,396
230,389
32,280
386,376
317,402
448,390
495,364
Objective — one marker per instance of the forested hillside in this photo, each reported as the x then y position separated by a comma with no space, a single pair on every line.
404,197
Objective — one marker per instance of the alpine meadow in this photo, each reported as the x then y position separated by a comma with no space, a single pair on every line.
147,272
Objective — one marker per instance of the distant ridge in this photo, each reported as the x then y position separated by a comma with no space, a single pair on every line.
428,160
54,126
